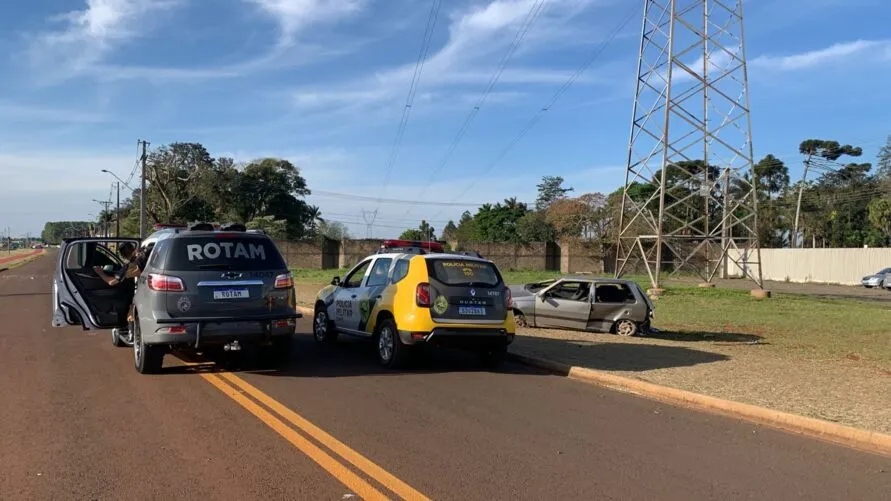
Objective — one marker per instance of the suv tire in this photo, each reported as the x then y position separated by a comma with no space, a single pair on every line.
148,358
390,350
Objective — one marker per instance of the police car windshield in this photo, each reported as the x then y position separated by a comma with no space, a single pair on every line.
224,252
464,272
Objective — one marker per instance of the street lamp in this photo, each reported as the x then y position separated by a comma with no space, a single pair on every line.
104,215
119,179
117,215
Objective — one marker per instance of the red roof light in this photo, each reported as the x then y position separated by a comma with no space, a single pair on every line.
430,246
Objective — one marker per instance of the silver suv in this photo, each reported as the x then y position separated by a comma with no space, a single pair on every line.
199,290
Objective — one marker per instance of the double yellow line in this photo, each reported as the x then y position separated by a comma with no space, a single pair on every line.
286,423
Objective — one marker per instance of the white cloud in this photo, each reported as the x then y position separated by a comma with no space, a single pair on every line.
476,36
90,34
19,113
877,49
293,16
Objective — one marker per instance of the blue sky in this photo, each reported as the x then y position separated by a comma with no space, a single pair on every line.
324,82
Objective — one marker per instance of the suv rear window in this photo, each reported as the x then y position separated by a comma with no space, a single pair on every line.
219,252
463,272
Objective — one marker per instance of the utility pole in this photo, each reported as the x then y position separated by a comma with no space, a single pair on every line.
103,218
142,194
794,242
117,214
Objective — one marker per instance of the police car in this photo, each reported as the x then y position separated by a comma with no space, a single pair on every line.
201,289
413,293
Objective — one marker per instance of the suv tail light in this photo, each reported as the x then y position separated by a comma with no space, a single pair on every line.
508,299
164,283
422,295
284,281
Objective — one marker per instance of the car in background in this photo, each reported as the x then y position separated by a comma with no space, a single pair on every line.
200,290
876,280
584,303
407,299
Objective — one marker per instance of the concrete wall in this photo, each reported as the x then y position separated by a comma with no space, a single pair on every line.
534,256
352,251
581,257
313,255
832,266
344,254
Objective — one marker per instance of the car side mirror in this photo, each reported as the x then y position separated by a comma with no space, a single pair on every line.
543,296
335,281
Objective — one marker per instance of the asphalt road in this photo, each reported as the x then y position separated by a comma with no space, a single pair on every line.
77,422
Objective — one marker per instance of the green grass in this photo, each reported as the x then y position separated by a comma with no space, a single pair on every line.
792,324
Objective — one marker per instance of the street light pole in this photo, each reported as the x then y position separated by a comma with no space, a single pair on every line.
117,214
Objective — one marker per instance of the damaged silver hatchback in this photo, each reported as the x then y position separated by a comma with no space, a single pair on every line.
584,303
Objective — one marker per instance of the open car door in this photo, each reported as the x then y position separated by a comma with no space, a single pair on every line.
80,296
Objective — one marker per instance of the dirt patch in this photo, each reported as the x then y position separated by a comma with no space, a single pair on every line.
841,391
306,294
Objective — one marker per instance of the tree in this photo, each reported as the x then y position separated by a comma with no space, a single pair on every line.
450,232
880,215
829,150
883,165
275,228
54,231
173,172
332,230
423,232
272,187
467,229
498,223
569,217
550,190
772,175
534,227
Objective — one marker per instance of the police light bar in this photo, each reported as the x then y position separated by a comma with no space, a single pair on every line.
429,246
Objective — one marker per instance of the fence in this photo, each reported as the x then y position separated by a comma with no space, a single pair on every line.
830,266
538,256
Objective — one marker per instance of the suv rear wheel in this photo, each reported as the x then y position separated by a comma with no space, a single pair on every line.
390,350
148,358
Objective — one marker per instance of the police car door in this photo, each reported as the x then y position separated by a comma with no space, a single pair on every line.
346,300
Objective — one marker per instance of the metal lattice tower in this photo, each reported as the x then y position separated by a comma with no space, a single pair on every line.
691,110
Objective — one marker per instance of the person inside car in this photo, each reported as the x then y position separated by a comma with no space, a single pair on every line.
133,266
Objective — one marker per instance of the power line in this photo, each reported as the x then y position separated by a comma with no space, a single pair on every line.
550,103
364,198
412,90
533,15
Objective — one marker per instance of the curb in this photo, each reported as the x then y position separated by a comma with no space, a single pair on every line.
855,438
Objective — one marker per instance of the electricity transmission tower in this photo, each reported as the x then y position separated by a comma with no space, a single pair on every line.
690,199
369,217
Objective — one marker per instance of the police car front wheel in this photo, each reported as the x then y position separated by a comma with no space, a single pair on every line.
322,327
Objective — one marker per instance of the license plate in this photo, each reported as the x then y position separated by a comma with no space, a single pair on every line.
471,310
230,294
